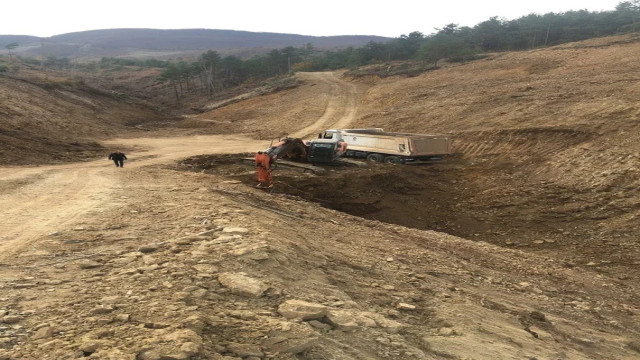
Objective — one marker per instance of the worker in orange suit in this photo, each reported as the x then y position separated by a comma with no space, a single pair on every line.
263,166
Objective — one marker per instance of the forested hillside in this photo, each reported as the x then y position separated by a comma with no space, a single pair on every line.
495,34
408,54
207,62
147,43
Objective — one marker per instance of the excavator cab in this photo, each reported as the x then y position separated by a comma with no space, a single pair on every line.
325,151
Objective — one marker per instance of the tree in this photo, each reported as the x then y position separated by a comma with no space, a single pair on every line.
449,42
232,70
490,34
440,46
629,11
11,47
307,52
448,29
374,51
208,63
406,46
174,73
280,61
632,7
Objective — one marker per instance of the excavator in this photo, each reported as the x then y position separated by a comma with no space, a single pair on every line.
310,151
297,151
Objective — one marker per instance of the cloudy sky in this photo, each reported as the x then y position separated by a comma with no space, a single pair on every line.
319,18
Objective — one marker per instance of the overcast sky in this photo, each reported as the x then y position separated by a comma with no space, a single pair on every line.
319,18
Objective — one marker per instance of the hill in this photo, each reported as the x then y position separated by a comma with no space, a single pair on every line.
146,43
522,245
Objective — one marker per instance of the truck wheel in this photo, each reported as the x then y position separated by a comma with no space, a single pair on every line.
393,160
375,157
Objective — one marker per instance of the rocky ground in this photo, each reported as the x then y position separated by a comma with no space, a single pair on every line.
193,266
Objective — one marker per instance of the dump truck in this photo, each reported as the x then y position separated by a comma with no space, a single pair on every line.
374,144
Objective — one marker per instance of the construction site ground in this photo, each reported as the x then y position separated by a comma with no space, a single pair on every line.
521,245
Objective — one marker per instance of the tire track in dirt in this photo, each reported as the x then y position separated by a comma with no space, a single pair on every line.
341,107
61,196
540,142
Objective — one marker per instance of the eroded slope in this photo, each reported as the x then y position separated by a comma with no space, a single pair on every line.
45,118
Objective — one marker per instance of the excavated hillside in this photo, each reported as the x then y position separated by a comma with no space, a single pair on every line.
546,142
50,117
521,245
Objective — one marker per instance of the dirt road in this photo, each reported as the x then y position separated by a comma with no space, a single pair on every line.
38,201
341,108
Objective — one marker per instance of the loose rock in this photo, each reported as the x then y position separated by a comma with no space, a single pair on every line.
445,331
146,249
123,317
406,307
235,230
289,344
11,319
206,268
102,310
43,333
244,350
241,284
88,264
299,309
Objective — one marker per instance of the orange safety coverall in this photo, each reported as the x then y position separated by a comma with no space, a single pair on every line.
263,165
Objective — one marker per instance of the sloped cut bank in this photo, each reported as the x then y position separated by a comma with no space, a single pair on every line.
474,199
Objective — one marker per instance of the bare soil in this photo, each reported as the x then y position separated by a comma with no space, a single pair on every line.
453,197
522,245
